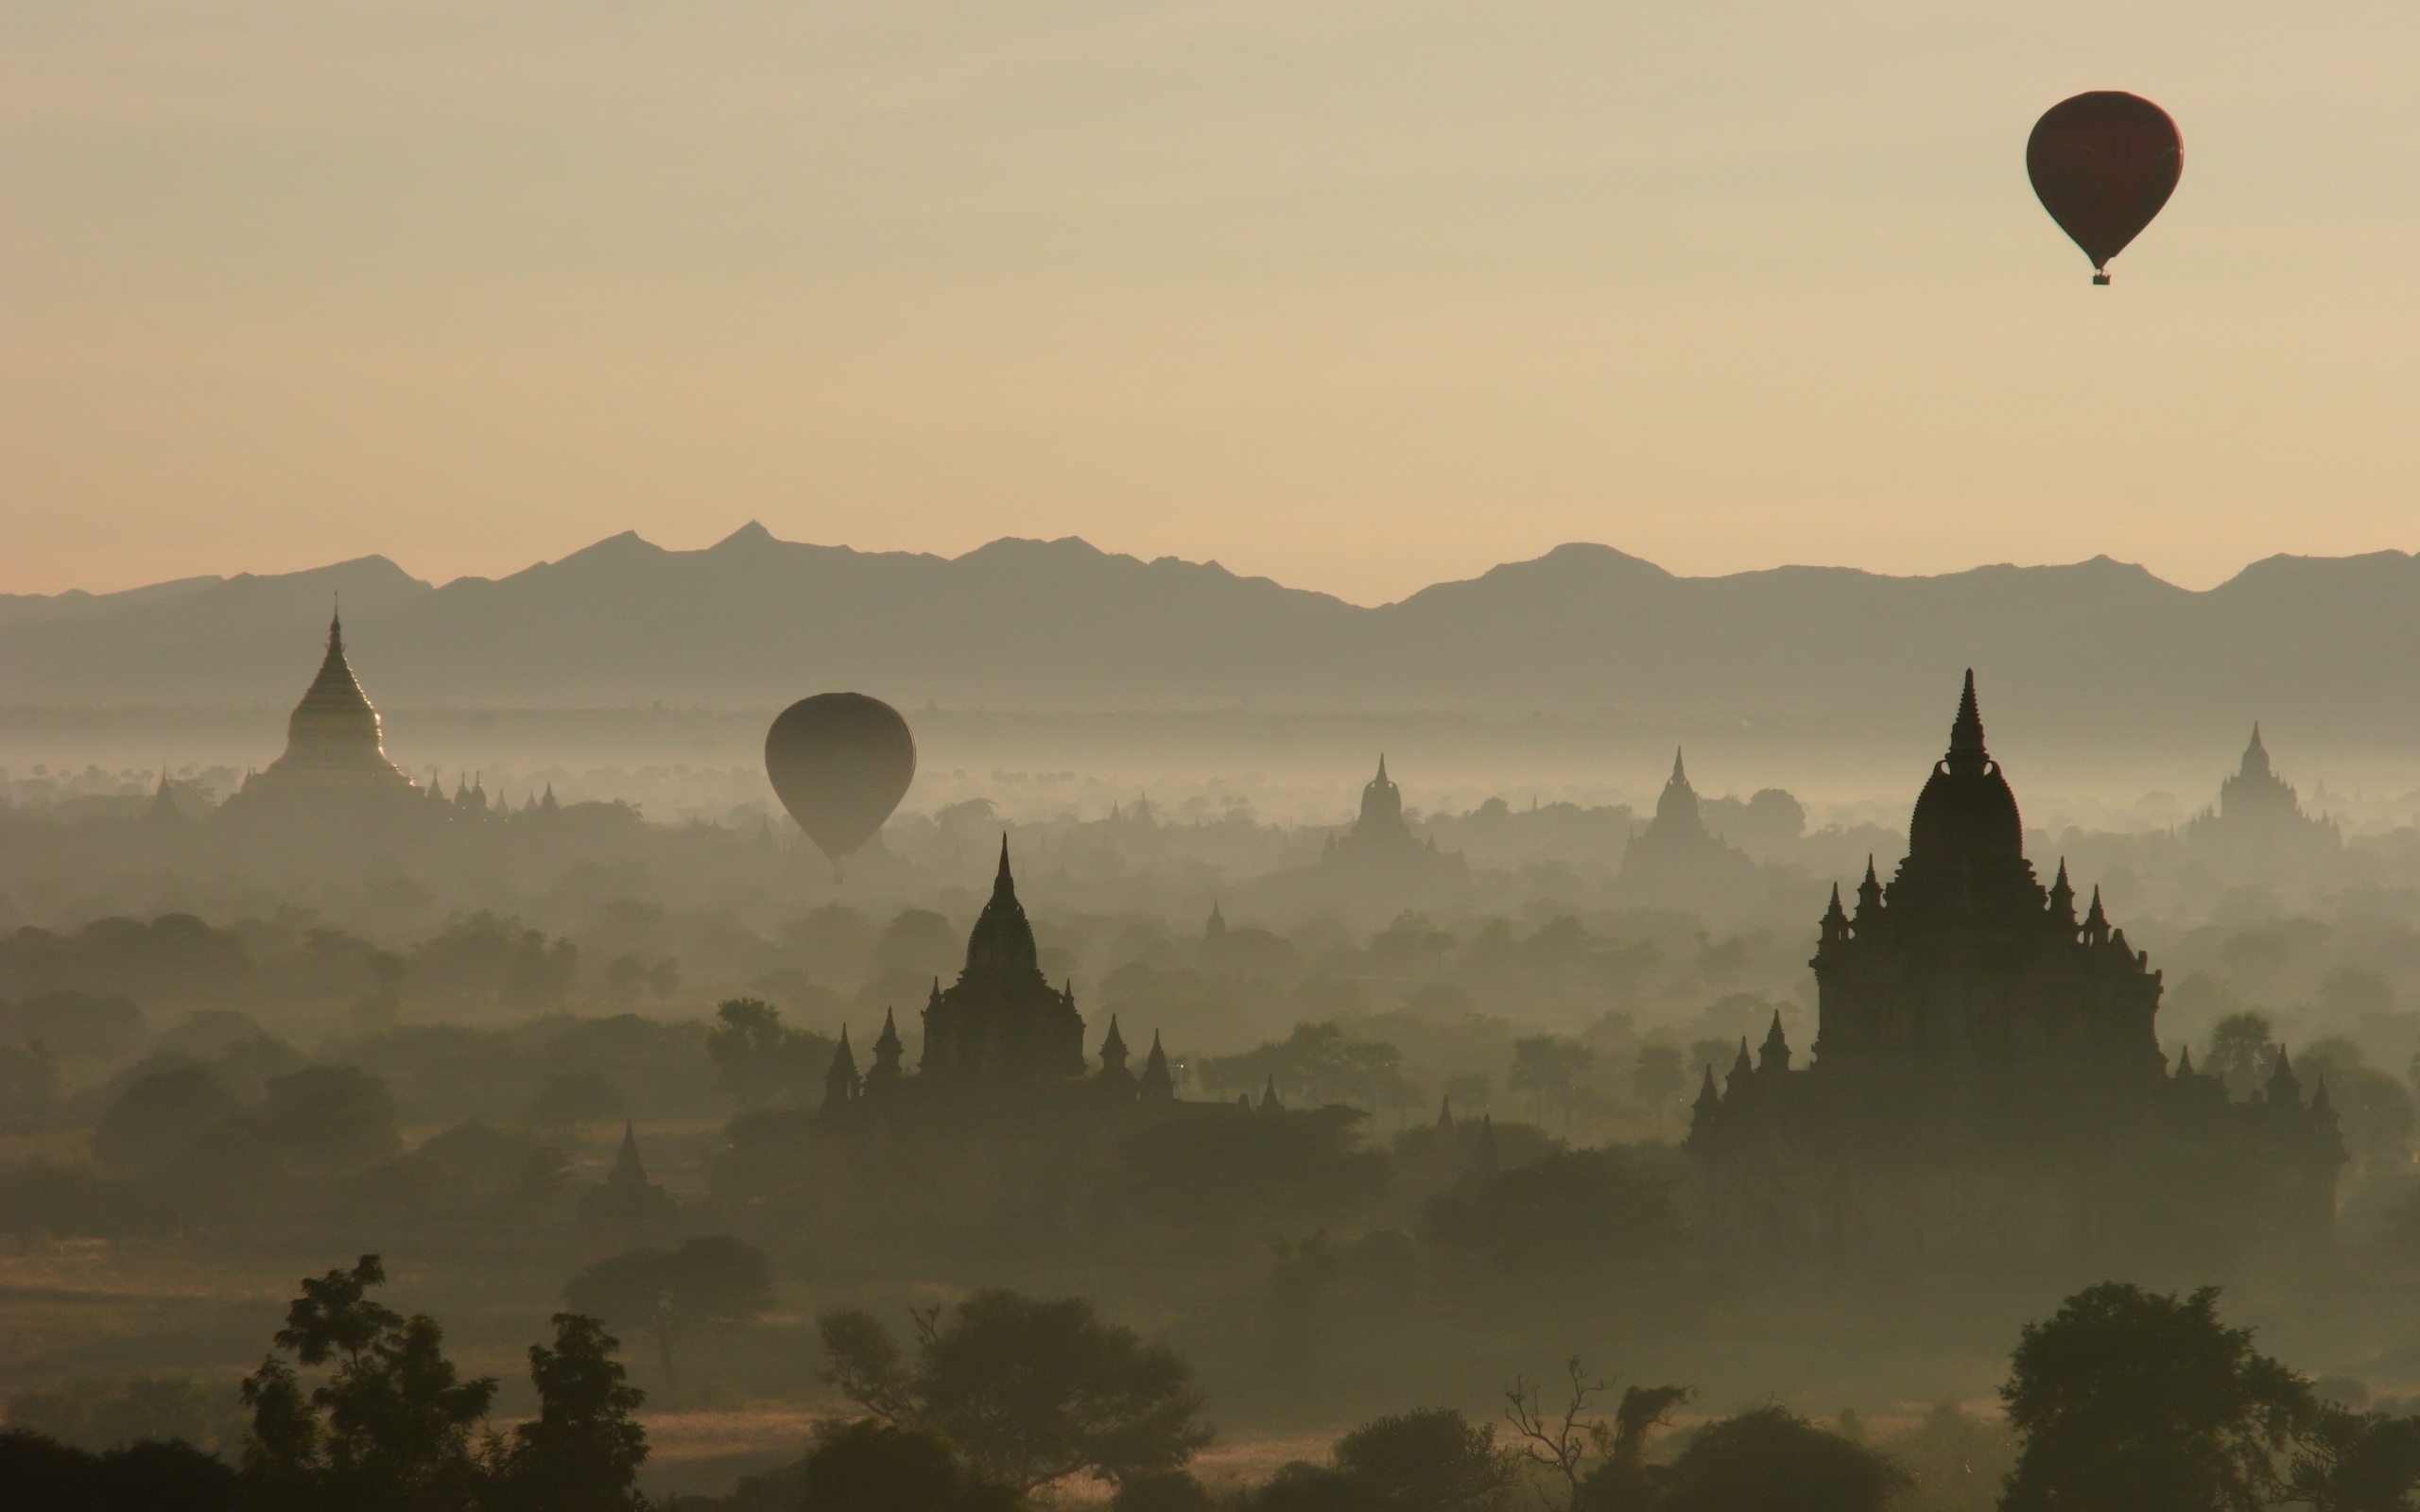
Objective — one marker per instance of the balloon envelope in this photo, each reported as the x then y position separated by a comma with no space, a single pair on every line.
2102,164
840,763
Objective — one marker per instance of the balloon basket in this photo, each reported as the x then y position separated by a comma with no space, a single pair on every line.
2100,278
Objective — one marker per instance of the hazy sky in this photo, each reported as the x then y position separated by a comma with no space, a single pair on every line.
1358,296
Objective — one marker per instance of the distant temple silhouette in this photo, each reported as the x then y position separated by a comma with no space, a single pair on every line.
2259,819
1002,1028
1676,851
1986,1079
333,747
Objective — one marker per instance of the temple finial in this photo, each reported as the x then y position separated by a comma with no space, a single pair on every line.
1966,753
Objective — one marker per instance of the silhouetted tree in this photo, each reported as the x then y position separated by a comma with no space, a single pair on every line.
1548,1067
1033,1391
872,1466
2348,1461
1623,1481
1772,1460
760,1061
2240,1051
1434,1460
715,1281
390,1428
39,1475
582,1452
1564,1440
2127,1400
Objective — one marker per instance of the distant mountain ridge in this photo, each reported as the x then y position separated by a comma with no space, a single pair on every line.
2331,644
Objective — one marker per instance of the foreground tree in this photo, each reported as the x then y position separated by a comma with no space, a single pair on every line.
582,1452
391,1429
1772,1460
1564,1441
2348,1461
2127,1400
1434,1460
1032,1390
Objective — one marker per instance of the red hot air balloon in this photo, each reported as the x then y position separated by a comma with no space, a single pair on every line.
2102,164
840,763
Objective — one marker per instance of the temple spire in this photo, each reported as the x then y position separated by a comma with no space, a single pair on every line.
1966,753
1680,774
1004,884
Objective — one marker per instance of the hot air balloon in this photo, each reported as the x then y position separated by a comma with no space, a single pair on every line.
840,763
2102,164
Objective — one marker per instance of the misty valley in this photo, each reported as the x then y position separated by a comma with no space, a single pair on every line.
372,1140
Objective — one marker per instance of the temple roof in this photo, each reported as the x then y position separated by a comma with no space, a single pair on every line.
1966,814
1002,939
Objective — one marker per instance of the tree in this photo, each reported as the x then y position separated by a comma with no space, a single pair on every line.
1623,1481
40,1474
2348,1461
158,1117
2241,1052
716,1281
1774,1461
328,1118
1564,1440
1574,1215
760,1062
582,1452
2127,1400
1433,1460
872,1465
390,1428
1032,1390
1659,1079
1547,1066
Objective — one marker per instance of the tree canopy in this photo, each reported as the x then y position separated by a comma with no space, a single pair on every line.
1032,1390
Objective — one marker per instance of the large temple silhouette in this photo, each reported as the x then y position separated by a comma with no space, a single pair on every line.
1987,1082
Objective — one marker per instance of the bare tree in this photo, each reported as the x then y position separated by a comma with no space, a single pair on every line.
1564,1440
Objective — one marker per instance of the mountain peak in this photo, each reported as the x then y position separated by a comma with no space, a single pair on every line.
746,538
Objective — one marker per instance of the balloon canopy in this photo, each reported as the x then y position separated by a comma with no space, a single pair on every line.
840,763
2102,164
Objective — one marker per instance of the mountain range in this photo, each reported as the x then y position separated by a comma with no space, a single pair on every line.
2105,649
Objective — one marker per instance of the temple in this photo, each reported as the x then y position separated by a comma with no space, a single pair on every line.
1676,851
1380,861
2259,819
1987,1080
334,748
1002,1019
1000,1029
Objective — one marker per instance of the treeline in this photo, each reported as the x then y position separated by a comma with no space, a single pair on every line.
2124,1400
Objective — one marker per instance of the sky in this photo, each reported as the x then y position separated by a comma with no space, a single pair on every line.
1357,296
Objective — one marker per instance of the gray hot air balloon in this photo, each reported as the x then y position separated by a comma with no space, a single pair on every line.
840,763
